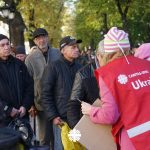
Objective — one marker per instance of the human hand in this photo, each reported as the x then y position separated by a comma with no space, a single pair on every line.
33,111
22,111
86,108
14,112
57,121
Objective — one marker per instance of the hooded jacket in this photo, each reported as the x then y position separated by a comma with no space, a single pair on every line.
16,87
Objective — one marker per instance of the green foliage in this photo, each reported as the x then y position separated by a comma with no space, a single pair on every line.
45,13
90,21
139,22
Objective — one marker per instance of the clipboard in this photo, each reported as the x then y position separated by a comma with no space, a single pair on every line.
95,136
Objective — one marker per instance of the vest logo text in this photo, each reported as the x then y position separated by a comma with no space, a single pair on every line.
140,84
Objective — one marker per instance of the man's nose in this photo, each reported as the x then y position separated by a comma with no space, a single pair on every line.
6,46
41,39
76,48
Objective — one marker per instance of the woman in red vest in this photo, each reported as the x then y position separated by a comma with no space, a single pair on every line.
125,84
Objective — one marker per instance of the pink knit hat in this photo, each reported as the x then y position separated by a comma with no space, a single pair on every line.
143,51
115,39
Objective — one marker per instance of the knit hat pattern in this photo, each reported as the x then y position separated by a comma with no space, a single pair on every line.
115,39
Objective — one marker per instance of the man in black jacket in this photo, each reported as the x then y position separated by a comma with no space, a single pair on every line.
16,85
85,88
57,84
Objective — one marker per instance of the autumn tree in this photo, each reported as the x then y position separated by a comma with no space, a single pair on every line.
44,13
32,14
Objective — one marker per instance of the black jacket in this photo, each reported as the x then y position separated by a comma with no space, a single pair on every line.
16,87
56,87
86,89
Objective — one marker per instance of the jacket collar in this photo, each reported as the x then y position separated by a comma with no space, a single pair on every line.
67,61
10,59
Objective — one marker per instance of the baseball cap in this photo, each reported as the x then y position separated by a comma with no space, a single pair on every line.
68,40
38,32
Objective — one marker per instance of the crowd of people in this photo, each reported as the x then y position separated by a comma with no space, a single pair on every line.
45,86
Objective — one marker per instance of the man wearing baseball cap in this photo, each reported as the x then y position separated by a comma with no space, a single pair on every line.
57,84
36,61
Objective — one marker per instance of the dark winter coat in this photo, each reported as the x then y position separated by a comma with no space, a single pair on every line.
56,87
85,88
16,87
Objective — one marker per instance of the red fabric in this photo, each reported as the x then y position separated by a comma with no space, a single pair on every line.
132,97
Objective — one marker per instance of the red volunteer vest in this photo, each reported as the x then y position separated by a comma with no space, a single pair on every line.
130,86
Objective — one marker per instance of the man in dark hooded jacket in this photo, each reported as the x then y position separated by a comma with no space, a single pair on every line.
16,85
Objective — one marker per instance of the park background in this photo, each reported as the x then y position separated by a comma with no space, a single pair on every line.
88,20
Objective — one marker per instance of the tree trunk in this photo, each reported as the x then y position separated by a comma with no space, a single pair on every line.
31,27
17,28
105,23
16,25
123,13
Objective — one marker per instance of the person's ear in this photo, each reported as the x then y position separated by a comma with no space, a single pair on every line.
62,50
34,40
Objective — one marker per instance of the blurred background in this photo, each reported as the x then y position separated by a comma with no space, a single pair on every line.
88,20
